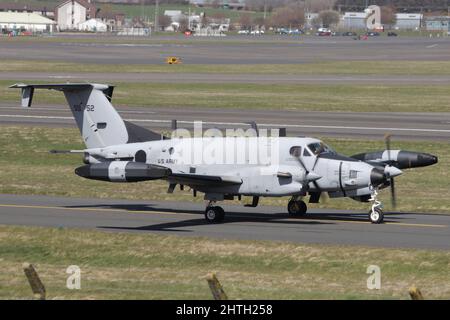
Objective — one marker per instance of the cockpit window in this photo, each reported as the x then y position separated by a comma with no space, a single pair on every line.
295,151
319,148
306,153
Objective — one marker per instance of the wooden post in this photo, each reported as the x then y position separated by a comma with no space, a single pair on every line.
216,287
35,283
415,293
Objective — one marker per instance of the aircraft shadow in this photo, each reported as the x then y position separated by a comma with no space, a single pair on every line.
231,217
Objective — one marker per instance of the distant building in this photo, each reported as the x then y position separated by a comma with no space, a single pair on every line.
354,20
113,20
93,25
437,23
70,13
24,21
45,11
408,21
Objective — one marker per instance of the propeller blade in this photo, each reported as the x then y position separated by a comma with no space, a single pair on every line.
393,194
387,141
391,173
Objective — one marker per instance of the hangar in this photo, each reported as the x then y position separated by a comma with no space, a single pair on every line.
26,22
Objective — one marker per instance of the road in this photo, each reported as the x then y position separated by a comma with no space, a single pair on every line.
401,230
403,126
219,78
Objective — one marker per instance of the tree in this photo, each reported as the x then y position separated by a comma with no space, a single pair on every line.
289,16
184,24
329,18
245,20
164,21
388,16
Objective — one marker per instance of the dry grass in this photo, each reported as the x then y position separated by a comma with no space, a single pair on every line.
116,265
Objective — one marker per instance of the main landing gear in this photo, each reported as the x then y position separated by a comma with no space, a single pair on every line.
376,214
297,207
214,214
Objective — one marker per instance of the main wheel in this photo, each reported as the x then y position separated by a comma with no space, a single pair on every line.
297,208
376,216
214,214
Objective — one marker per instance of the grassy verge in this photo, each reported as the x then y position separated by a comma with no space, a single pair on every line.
148,266
28,168
352,98
317,68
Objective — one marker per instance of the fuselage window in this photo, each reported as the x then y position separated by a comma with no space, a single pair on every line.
295,151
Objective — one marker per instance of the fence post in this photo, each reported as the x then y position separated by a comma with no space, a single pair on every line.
415,293
35,283
216,287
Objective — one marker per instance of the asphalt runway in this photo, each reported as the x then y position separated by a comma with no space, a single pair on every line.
403,126
400,230
224,78
229,50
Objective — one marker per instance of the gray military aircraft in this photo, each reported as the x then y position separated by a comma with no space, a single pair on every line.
119,151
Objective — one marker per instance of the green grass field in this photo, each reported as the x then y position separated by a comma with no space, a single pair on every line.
352,98
149,266
28,168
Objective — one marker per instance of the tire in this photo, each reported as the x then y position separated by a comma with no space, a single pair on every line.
376,216
297,208
214,214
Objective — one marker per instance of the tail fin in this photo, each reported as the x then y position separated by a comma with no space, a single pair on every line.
99,123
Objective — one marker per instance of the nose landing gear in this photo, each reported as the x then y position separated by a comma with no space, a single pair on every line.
376,214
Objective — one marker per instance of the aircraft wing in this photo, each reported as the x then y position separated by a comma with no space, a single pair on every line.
201,179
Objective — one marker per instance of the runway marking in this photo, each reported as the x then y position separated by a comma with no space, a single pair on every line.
432,46
188,214
272,125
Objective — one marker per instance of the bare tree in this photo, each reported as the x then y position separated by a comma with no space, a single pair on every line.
388,16
290,16
329,18
245,20
184,24
164,21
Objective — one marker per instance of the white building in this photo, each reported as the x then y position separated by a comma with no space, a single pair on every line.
25,21
354,20
69,14
409,21
93,25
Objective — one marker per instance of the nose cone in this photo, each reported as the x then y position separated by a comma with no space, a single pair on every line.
377,177
392,171
408,159
312,176
425,159
83,171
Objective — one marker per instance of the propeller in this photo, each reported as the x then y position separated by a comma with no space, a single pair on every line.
387,140
312,175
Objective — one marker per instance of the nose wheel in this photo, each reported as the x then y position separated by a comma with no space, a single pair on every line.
376,216
214,214
297,208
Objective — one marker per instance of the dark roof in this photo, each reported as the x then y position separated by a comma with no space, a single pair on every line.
84,3
25,6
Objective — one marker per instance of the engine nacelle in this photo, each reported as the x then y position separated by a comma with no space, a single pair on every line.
122,171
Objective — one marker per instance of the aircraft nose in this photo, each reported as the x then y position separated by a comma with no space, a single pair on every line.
426,159
409,159
392,171
377,177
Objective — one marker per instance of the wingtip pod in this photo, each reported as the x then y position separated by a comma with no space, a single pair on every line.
400,159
